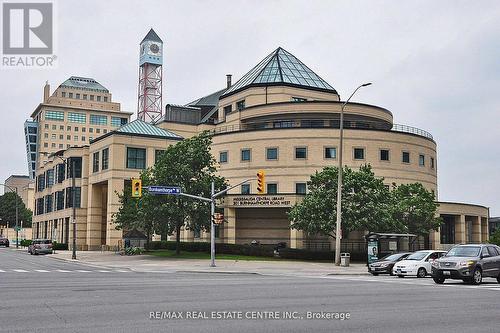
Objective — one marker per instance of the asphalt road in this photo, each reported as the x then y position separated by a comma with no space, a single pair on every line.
42,294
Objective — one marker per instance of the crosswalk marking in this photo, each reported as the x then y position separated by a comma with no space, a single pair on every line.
41,270
64,271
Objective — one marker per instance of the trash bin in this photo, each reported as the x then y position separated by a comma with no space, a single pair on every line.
345,259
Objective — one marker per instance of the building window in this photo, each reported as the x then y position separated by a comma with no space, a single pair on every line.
136,158
223,157
432,162
77,96
384,154
95,162
272,154
59,200
69,197
300,188
118,121
60,170
406,157
228,109
98,98
284,124
70,95
61,146
299,99
158,153
105,158
63,94
300,152
240,105
98,119
91,97
272,188
61,137
83,138
105,131
46,126
45,144
48,203
54,115
105,98
91,130
98,130
75,138
245,189
421,160
245,154
76,117
53,136
84,96
359,153
68,128
53,145
61,127
50,177
84,129
78,167
330,152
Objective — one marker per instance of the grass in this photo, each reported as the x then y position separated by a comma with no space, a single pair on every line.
204,255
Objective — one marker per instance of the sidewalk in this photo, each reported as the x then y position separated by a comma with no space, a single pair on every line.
147,263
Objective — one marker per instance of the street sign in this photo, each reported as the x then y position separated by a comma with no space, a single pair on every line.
164,190
17,228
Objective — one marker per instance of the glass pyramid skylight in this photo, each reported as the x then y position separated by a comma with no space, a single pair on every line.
281,67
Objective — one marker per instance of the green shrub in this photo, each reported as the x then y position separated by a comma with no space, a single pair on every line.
25,242
59,246
495,238
132,251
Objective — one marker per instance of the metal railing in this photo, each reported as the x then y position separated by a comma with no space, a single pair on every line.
320,123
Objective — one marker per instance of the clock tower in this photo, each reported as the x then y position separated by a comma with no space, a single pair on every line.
149,106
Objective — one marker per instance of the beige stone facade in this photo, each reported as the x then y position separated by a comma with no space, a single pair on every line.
25,189
288,127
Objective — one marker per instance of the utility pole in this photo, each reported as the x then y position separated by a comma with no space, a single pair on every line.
338,228
73,199
17,221
212,226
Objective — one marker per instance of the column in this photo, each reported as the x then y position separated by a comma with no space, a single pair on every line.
484,229
230,227
435,239
460,237
94,217
476,229
113,236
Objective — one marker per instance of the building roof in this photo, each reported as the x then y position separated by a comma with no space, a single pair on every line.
280,67
84,83
209,100
152,36
143,128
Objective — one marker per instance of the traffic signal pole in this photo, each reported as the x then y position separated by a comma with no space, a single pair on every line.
212,226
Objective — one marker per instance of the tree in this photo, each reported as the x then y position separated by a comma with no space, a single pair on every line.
8,210
495,237
365,203
188,164
416,208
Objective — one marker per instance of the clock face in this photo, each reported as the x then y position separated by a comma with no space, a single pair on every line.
154,48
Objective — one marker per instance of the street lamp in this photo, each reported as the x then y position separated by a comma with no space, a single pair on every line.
339,180
17,214
73,195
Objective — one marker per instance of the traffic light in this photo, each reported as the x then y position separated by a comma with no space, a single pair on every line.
218,218
261,182
136,188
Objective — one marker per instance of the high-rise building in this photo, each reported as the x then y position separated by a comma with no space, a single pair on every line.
149,105
79,110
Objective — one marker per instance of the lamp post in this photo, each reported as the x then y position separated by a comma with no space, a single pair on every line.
17,214
71,167
339,179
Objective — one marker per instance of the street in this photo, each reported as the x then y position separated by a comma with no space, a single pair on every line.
40,293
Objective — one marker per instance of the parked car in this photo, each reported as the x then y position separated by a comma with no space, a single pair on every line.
40,246
4,241
385,264
417,264
469,263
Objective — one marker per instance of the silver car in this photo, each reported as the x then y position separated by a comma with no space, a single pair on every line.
38,246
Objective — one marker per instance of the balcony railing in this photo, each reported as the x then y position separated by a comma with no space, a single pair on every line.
321,123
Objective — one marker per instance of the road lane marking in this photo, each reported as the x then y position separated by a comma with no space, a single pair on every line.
63,271
104,271
41,270
20,270
2,271
121,271
82,271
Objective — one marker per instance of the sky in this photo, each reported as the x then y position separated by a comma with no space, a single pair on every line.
434,64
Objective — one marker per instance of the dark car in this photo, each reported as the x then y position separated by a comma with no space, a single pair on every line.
4,241
469,263
40,246
385,264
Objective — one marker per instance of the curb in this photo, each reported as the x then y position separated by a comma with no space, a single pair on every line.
219,272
